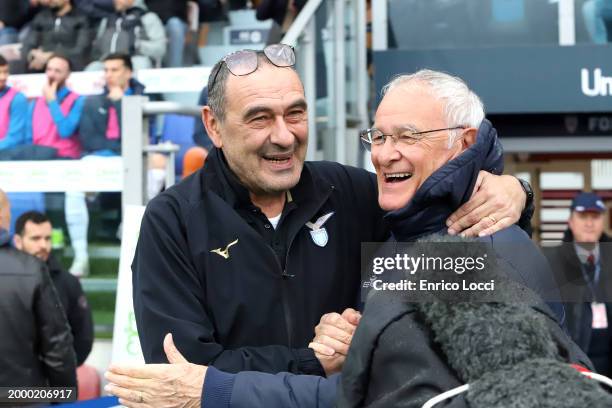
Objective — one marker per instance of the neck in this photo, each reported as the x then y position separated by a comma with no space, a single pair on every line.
270,205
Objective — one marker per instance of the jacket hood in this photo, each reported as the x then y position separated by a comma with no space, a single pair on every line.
448,187
5,237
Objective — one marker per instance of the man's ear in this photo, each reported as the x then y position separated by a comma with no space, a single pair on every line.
469,137
17,242
211,123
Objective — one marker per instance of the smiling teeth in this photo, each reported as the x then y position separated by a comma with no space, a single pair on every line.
398,175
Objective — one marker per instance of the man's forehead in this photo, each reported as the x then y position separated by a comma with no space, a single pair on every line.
264,85
408,106
31,226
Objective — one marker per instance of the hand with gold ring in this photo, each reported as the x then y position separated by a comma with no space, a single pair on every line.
496,203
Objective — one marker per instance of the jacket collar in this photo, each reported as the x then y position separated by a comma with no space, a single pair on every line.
54,265
218,177
447,188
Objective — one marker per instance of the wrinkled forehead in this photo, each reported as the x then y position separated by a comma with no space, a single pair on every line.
409,106
267,85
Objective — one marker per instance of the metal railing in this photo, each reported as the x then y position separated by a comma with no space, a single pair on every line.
344,49
135,145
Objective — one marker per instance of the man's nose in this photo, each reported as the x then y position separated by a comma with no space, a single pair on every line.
388,151
281,135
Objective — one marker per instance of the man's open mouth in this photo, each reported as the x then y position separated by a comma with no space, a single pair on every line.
397,177
278,158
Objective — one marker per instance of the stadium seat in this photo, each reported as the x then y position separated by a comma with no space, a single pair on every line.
194,160
178,129
88,382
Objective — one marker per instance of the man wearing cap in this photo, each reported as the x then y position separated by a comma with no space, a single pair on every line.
582,265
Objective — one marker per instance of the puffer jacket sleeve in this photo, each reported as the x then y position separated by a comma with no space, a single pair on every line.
154,45
56,350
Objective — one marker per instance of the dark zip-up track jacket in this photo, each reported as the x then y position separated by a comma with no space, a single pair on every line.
254,302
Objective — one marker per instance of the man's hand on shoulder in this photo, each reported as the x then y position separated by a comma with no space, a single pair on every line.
496,203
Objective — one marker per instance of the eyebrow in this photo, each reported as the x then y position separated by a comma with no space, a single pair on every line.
401,128
254,110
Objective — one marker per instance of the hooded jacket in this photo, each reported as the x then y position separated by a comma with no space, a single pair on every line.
237,293
36,344
451,186
135,31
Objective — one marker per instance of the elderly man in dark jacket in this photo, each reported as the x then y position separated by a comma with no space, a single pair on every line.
57,29
36,345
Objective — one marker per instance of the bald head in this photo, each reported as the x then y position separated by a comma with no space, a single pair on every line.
5,211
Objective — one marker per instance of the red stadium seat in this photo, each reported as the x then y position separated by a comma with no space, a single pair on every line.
193,160
88,382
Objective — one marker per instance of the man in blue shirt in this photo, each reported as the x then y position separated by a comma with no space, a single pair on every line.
56,114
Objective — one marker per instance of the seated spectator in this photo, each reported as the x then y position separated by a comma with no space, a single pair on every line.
54,119
57,28
13,111
13,14
54,116
33,236
99,128
132,30
173,14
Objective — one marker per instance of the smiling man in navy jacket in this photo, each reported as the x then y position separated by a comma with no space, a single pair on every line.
240,260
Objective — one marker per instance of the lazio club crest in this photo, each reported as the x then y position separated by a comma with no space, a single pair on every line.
318,233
